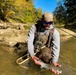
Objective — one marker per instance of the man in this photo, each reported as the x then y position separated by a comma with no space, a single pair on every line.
44,26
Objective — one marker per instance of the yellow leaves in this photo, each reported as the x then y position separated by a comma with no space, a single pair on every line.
23,4
19,10
20,3
9,13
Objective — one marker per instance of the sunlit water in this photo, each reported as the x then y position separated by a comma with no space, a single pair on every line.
67,59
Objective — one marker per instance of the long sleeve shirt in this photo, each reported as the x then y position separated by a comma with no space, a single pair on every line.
55,42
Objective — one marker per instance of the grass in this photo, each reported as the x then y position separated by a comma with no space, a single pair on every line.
27,27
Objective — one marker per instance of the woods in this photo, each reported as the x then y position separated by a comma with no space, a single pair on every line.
65,13
24,11
19,11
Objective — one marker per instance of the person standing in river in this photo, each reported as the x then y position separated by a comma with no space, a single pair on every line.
43,26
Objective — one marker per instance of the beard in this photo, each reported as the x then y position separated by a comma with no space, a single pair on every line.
46,26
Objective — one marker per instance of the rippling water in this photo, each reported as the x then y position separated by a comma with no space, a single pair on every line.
67,59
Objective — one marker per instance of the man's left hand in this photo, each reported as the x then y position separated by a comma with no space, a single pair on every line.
56,64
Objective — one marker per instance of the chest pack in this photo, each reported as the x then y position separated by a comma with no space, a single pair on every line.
43,39
43,45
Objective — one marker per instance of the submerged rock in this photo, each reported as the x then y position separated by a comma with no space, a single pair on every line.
20,47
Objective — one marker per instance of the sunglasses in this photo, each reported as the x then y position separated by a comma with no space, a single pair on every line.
48,22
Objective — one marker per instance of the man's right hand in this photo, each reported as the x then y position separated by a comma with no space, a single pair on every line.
35,59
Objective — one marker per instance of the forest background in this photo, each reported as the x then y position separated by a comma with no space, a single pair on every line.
24,11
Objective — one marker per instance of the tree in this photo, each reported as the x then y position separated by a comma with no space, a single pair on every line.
6,8
59,13
38,14
71,13
19,11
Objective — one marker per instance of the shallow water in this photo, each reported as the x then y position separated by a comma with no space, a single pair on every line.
67,59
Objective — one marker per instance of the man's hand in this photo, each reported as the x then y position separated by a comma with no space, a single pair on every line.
56,64
56,71
35,59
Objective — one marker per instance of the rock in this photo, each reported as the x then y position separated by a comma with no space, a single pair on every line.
10,34
20,48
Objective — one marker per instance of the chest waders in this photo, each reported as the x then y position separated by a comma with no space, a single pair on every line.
43,46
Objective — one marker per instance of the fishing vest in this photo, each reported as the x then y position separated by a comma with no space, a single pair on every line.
43,39
42,44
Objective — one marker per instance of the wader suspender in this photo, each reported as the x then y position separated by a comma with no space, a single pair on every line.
50,37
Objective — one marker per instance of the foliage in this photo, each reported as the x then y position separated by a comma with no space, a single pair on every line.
6,8
19,11
38,14
59,13
66,13
71,13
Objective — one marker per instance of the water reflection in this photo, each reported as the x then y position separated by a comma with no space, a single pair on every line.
67,58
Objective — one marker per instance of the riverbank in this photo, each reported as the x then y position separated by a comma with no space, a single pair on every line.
66,34
16,35
13,34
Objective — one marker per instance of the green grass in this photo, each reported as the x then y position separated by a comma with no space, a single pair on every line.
27,27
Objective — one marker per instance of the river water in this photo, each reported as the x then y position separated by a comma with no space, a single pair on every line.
8,65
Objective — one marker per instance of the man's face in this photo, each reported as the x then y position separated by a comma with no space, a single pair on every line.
47,24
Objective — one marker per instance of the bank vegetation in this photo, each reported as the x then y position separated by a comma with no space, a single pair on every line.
24,11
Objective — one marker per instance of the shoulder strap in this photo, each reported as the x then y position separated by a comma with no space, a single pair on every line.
50,37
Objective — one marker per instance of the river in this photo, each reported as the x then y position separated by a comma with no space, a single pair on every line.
67,59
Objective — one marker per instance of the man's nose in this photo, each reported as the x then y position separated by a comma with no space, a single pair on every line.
48,24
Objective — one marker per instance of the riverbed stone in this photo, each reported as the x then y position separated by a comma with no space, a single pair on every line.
12,34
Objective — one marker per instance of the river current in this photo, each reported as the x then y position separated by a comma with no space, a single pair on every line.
67,59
